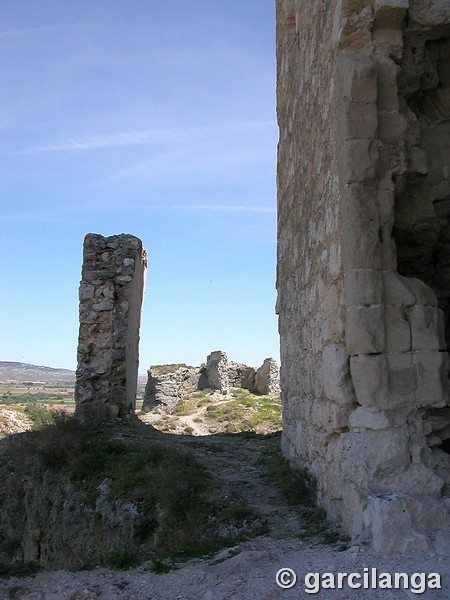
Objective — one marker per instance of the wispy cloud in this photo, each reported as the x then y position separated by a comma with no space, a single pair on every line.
111,140
226,208
17,33
146,137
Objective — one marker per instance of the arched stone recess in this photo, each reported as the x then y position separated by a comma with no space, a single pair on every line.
361,178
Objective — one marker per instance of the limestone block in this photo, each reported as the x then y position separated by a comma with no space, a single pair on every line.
369,418
387,95
357,77
439,420
392,527
363,287
406,291
398,333
402,379
418,162
428,328
432,378
359,120
369,457
359,202
391,127
364,331
361,246
330,416
430,13
359,161
390,14
370,379
356,28
337,383
386,203
388,248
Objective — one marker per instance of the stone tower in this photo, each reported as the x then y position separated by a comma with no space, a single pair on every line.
363,276
111,296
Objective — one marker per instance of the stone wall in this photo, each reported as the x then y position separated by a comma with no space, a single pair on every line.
111,295
364,372
168,385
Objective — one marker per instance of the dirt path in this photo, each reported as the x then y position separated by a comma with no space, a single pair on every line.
246,571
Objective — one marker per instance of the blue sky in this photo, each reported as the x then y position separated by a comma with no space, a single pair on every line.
145,117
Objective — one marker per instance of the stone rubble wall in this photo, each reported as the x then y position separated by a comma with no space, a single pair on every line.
364,373
168,385
111,295
165,390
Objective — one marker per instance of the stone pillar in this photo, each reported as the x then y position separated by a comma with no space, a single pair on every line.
111,295
360,176
216,372
267,379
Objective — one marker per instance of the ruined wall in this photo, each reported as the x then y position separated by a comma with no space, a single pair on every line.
168,385
364,367
111,295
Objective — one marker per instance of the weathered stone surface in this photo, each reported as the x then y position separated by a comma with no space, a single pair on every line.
363,109
337,383
169,385
267,380
111,295
216,372
166,387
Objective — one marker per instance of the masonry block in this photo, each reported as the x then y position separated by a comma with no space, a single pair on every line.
402,379
364,330
361,245
398,332
359,160
363,287
359,121
390,14
337,383
428,328
370,379
369,418
357,77
431,370
359,201
387,96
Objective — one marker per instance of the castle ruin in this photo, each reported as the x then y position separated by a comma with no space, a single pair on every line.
111,296
363,275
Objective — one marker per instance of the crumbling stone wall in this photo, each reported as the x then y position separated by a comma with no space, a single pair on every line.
168,385
111,295
364,364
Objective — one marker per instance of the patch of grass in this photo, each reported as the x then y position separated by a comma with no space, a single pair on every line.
125,557
39,415
190,405
161,566
169,368
300,489
246,411
17,570
298,485
179,511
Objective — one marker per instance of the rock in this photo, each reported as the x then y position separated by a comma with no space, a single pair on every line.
216,372
167,386
267,379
